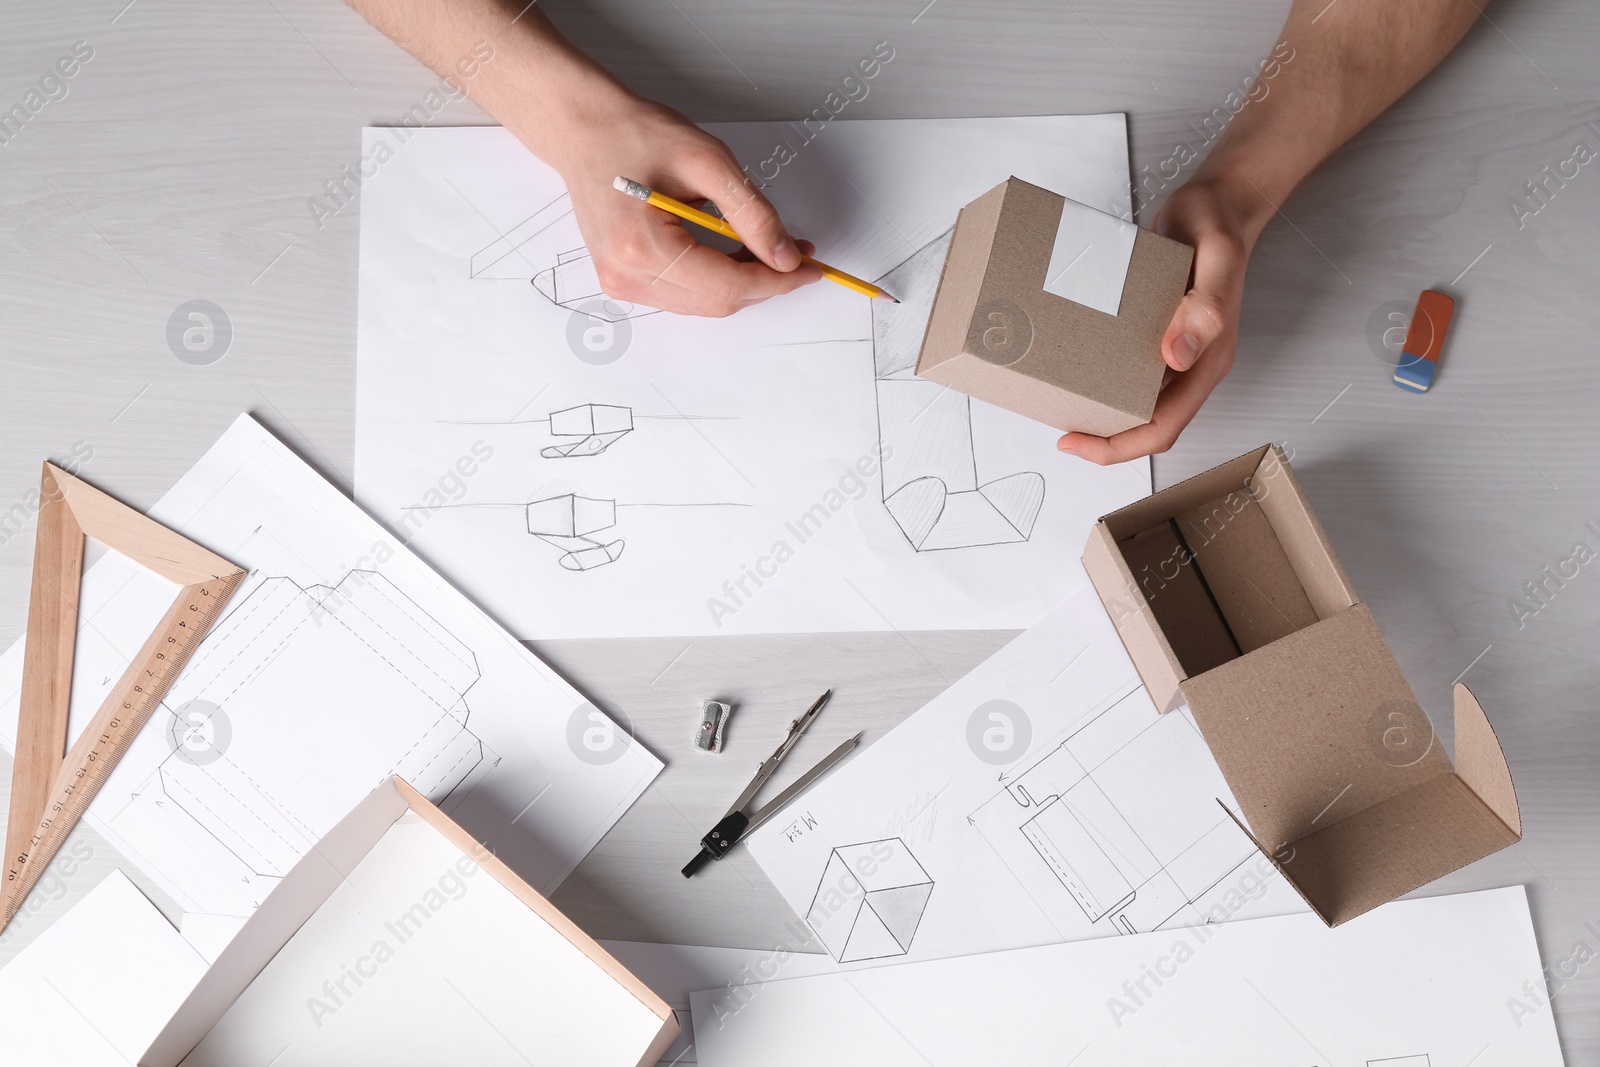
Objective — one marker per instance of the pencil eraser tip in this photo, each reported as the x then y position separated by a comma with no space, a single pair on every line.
630,187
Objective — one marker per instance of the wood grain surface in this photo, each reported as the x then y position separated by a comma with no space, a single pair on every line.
179,164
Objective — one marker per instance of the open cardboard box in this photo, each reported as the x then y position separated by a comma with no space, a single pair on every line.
1228,597
400,939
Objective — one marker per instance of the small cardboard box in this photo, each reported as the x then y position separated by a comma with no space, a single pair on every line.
998,332
1228,597
400,939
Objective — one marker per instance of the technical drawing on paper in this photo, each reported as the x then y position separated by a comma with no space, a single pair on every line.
547,249
596,426
585,430
870,900
931,482
293,674
567,521
1086,810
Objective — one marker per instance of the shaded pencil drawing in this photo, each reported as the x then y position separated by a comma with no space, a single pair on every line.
567,521
932,484
870,900
596,426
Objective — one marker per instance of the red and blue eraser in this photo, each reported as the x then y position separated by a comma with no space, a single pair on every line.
1424,339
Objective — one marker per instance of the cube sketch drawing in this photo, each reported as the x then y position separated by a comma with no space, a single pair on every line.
870,900
566,522
595,426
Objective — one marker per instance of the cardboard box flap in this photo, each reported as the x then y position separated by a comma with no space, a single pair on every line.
1392,847
1278,491
962,272
1481,763
1136,625
1187,494
1184,606
1298,727
1246,568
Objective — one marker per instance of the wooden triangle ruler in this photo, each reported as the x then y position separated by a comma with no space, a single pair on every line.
49,791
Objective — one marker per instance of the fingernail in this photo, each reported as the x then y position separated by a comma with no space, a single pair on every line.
1186,348
1065,445
786,255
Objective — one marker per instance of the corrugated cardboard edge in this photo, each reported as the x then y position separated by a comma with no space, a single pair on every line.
1326,601
536,902
1144,512
970,246
1132,618
1118,590
1481,762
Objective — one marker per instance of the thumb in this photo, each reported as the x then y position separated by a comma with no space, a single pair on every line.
750,213
1205,310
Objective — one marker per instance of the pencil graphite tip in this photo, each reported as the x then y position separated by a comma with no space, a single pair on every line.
631,187
881,295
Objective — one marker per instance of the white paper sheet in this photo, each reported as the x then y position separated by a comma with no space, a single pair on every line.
210,934
340,660
96,987
779,470
676,971
1039,799
420,957
1417,983
1089,259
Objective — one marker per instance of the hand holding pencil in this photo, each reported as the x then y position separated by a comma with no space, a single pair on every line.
716,225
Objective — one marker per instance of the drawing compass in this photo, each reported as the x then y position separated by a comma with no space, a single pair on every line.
740,819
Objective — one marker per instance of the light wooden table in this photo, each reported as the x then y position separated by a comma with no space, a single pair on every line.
179,165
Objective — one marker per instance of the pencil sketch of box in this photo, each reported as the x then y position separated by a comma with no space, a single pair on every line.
595,426
547,249
870,900
567,521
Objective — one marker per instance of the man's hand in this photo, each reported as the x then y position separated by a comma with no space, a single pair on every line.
1326,79
645,255
591,128
1198,346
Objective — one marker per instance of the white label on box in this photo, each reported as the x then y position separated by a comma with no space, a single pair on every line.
1089,262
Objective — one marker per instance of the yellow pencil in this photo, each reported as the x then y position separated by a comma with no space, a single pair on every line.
716,225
